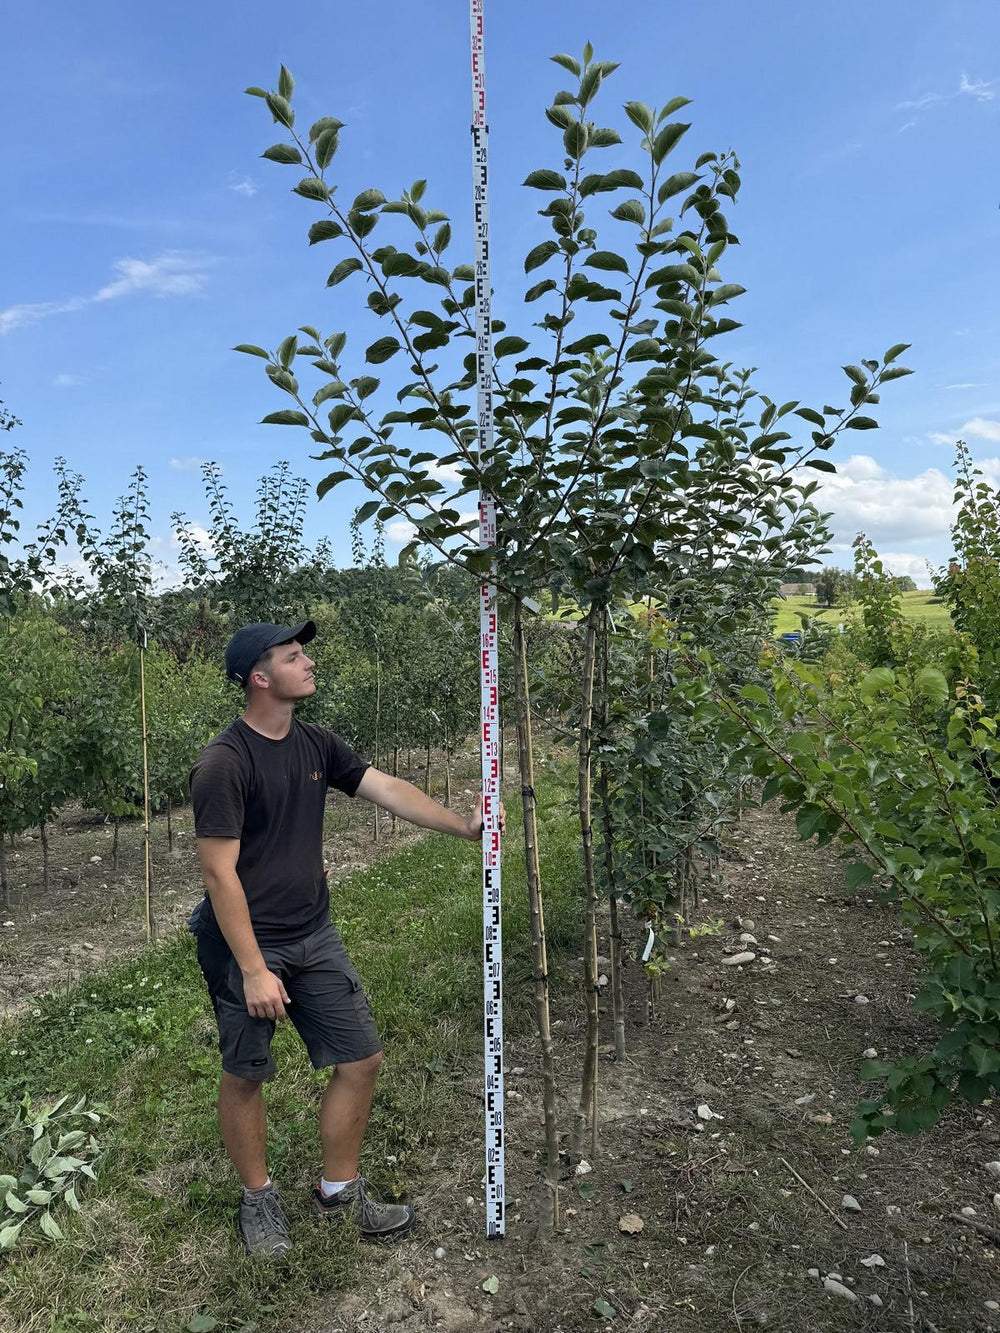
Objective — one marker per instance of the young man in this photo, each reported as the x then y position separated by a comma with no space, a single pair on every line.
266,944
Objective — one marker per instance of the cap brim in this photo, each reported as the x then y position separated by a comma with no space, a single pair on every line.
300,633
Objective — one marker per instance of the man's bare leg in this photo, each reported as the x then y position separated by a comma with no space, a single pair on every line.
243,1122
343,1116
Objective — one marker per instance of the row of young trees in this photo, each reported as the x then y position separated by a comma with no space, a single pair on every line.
890,750
642,481
112,688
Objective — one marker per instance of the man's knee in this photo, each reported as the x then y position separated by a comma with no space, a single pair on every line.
245,1089
360,1071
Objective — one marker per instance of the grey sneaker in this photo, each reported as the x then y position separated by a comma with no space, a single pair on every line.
375,1220
263,1224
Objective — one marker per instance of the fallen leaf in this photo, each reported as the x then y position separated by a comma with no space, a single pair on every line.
631,1224
492,1284
602,1308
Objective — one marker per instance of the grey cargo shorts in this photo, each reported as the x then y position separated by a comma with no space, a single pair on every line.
329,1008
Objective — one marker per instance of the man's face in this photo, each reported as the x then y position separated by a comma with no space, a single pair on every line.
290,673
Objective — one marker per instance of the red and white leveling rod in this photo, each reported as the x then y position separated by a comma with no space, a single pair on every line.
489,679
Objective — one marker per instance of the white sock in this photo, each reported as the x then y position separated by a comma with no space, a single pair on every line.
329,1187
266,1185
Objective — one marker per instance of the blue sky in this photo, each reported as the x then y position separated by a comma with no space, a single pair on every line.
143,235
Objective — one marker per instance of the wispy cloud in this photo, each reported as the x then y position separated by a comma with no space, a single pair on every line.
980,90
173,273
187,464
977,88
968,385
241,185
67,381
977,428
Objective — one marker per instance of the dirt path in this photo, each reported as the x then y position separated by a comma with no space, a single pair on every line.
729,1235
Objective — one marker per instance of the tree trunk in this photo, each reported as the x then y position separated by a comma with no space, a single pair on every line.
114,845
395,774
588,1086
170,825
447,768
43,837
526,765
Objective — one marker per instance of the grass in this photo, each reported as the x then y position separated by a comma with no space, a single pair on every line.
154,1247
920,605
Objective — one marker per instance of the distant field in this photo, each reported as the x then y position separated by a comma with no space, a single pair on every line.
916,606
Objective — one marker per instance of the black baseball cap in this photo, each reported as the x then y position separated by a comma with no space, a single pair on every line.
251,642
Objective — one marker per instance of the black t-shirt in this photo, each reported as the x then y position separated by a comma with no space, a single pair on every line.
271,795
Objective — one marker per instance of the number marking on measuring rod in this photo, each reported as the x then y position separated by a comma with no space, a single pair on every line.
489,682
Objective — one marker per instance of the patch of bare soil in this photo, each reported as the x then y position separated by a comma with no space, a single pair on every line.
93,913
725,1135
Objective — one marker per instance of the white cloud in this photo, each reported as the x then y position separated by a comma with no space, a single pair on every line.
170,274
979,428
190,464
67,381
400,530
241,185
980,90
864,497
922,103
942,437
897,562
968,385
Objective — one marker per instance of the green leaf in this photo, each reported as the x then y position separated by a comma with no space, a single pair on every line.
539,289
932,684
605,1310
201,1323
589,343
10,1233
50,1227
881,678
811,415
286,153
325,230
492,1284
367,200
381,350
251,350
509,346
255,92
620,178
536,257
340,416
640,115
856,374
545,180
442,238
666,139
821,464
15,1204
755,694
285,418
862,423
607,260
575,140
324,123
311,187
286,84
630,210
858,874
646,349
280,109
400,265
568,63
365,511
896,350
343,270
681,180
326,146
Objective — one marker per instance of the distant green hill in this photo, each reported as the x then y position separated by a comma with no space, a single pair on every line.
920,605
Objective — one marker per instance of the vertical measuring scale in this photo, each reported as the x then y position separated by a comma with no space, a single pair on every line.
489,682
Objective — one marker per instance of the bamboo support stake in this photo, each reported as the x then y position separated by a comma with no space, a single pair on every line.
150,927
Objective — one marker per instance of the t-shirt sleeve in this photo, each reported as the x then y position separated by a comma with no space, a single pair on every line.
218,794
344,768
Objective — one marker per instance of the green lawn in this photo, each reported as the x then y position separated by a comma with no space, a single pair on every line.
920,605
